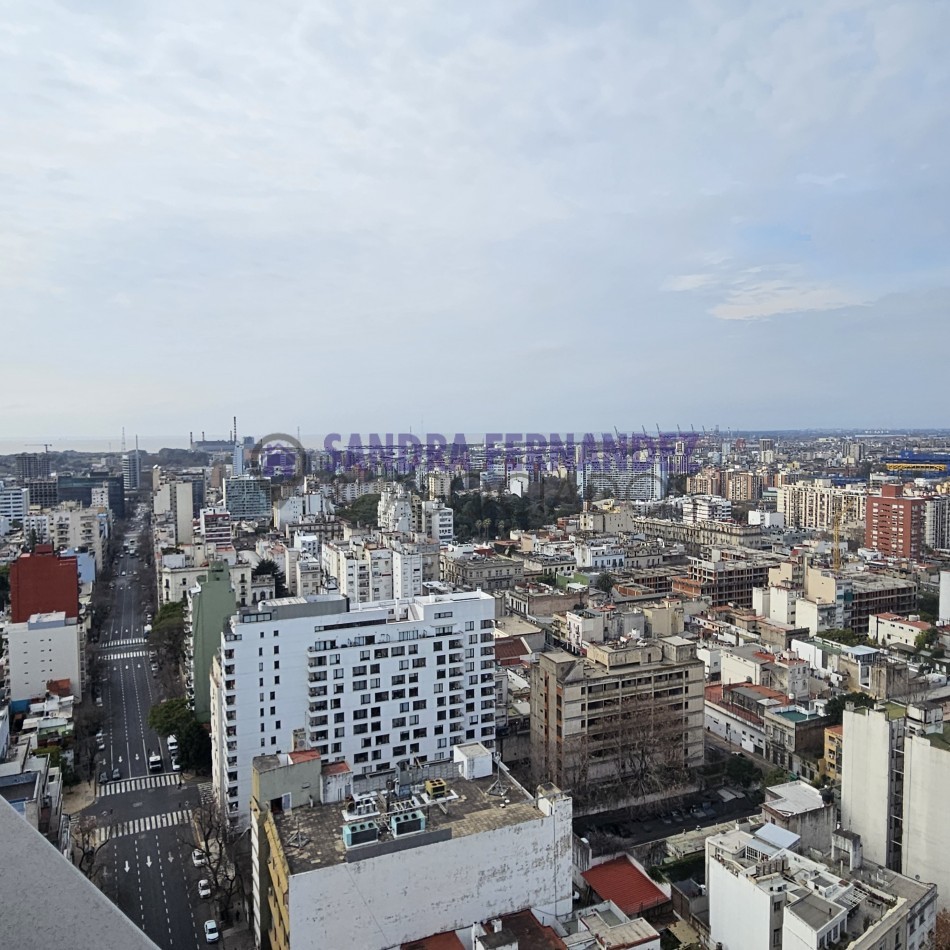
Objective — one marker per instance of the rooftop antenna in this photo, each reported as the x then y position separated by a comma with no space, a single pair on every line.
235,430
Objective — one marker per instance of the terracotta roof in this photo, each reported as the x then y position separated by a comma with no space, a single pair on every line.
530,933
335,768
509,650
443,941
304,755
626,885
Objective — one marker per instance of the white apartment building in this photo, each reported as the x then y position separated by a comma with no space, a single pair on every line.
937,522
394,511
373,686
698,508
895,769
175,499
46,647
814,505
893,628
437,521
363,570
293,510
215,526
600,554
70,526
307,576
439,484
762,894
14,503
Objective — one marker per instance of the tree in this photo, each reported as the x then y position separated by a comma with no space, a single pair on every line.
941,938
927,639
775,776
226,853
846,637
267,567
835,707
170,717
194,747
742,771
363,511
604,582
168,639
87,848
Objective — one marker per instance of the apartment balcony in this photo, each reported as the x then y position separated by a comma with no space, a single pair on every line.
232,747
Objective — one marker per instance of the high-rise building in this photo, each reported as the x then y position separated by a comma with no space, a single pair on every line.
131,470
45,647
14,503
895,524
32,465
815,505
44,492
895,770
42,582
79,488
248,498
373,686
210,605
625,720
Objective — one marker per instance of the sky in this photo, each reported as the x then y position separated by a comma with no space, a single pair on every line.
467,217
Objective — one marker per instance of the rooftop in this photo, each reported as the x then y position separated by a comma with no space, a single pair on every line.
793,798
625,884
312,837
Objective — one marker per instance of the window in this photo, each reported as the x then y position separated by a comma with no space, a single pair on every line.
364,655
469,625
277,681
273,710
338,674
360,713
276,649
277,724
276,664
359,685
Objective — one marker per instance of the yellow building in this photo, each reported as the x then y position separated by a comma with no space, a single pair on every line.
833,737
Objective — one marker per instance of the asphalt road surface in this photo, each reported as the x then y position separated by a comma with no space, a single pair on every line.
144,816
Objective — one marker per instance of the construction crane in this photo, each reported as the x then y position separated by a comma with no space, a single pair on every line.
46,445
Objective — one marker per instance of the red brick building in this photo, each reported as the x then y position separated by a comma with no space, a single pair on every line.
42,583
894,525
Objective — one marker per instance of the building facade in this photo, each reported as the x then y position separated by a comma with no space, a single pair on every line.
373,685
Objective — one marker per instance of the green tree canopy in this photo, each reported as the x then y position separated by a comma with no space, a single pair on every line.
604,582
846,637
742,771
170,717
362,511
268,567
835,707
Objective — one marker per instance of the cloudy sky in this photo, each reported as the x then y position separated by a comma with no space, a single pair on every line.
457,216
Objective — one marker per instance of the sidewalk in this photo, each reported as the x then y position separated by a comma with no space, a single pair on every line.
79,797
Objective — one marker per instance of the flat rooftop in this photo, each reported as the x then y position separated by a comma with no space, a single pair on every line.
312,838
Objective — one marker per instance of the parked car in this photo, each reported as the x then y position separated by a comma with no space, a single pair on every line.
116,774
198,858
211,932
204,888
103,777
176,765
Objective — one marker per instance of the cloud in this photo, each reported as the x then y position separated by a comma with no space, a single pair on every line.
384,181
769,298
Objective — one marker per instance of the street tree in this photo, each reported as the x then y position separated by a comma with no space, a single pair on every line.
170,717
226,854
87,845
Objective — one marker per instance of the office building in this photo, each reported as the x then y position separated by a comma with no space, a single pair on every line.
31,465
132,470
248,498
14,503
373,685
79,488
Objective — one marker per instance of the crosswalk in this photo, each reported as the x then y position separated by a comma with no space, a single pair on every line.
129,642
136,826
139,784
127,655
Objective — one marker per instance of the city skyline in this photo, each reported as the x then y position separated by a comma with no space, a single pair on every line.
672,204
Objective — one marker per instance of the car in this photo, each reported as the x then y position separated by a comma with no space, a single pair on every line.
172,742
211,932
98,700
154,762
123,573
101,744
176,765
103,777
116,774
198,858
204,888
154,666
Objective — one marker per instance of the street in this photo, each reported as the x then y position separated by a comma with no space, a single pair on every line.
143,817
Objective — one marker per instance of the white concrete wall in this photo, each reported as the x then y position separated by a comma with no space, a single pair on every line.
40,654
740,913
926,830
866,780
392,899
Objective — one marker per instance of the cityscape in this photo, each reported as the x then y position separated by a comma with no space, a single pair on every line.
486,484
608,689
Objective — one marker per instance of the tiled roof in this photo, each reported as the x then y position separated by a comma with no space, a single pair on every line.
335,768
530,933
443,941
510,650
304,755
626,885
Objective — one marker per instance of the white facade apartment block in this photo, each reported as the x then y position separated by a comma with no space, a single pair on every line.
46,647
14,503
600,555
437,521
372,686
937,522
698,508
175,499
362,569
394,511
814,505
407,574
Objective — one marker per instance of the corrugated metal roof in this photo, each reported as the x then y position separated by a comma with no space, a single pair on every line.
626,885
